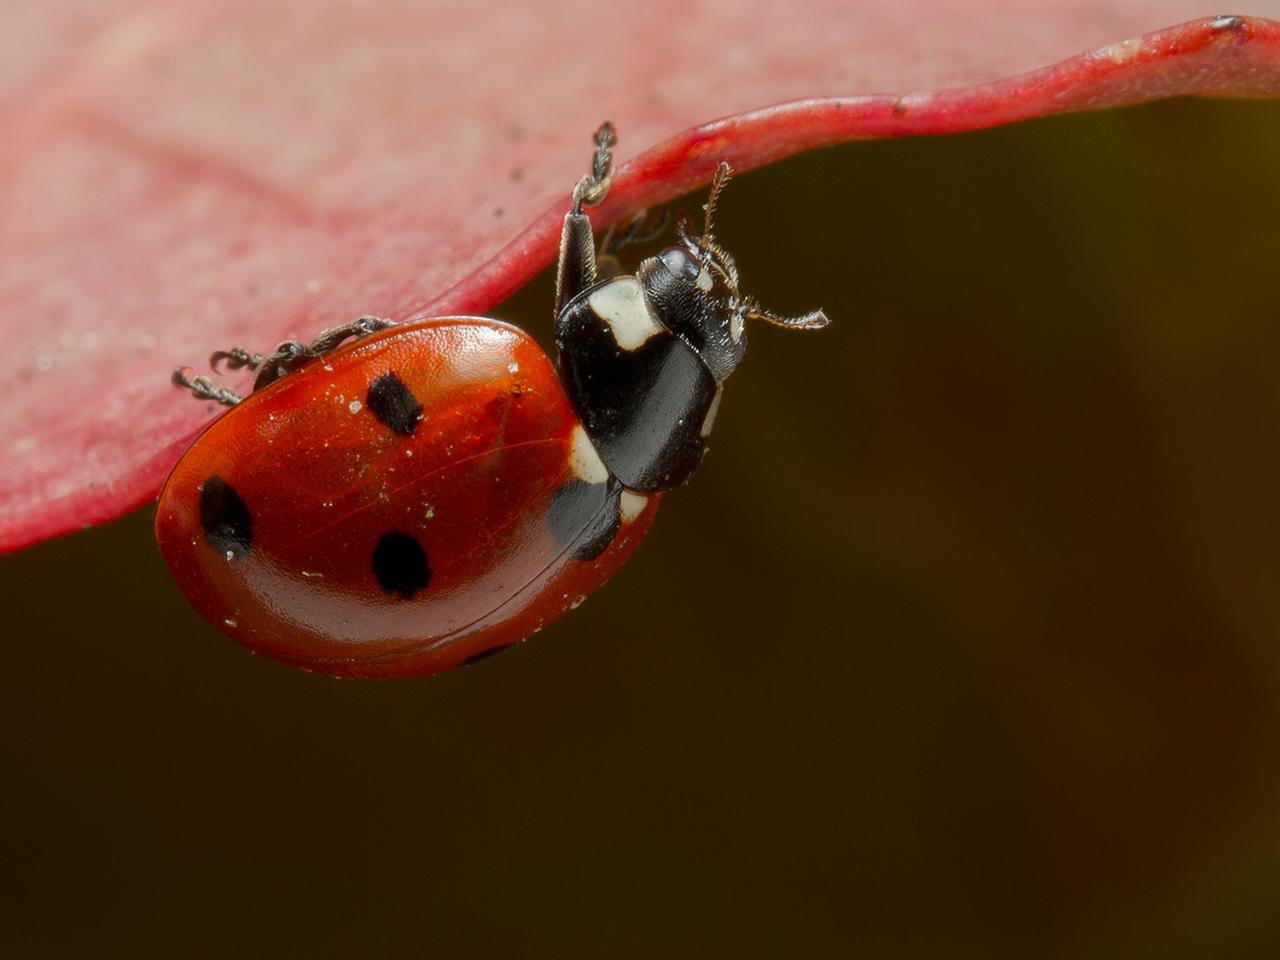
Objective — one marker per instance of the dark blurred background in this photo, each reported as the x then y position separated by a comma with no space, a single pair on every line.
964,642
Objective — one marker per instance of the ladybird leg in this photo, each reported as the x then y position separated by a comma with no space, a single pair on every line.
235,359
594,186
288,357
577,264
293,353
640,228
360,327
202,388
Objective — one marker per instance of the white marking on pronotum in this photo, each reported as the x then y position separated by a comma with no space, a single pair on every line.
735,327
704,280
709,420
631,505
583,459
622,305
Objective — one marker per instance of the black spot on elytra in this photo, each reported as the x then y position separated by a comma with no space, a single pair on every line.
586,516
400,564
228,526
486,654
394,404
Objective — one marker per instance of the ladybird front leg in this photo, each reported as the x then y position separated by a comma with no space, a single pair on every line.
577,263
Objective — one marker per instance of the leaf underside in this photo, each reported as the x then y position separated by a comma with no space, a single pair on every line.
183,180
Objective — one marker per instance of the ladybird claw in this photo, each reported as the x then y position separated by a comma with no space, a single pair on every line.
594,186
606,134
589,191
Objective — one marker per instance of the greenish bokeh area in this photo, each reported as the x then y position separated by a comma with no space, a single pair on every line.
964,642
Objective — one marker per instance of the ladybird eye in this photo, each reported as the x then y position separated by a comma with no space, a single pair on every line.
681,263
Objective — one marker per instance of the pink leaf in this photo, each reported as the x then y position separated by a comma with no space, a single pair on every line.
179,178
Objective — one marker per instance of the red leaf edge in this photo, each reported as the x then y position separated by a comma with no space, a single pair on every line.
1227,56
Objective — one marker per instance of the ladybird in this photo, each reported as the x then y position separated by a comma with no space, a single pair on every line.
396,499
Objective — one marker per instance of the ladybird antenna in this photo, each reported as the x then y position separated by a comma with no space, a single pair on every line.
723,174
725,260
814,320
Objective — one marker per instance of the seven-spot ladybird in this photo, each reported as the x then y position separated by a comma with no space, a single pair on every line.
400,499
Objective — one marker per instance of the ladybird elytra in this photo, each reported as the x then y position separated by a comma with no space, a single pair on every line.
370,543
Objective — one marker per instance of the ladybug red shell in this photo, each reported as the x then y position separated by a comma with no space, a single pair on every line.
435,491
338,522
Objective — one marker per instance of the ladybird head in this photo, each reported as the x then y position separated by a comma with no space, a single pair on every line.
695,287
